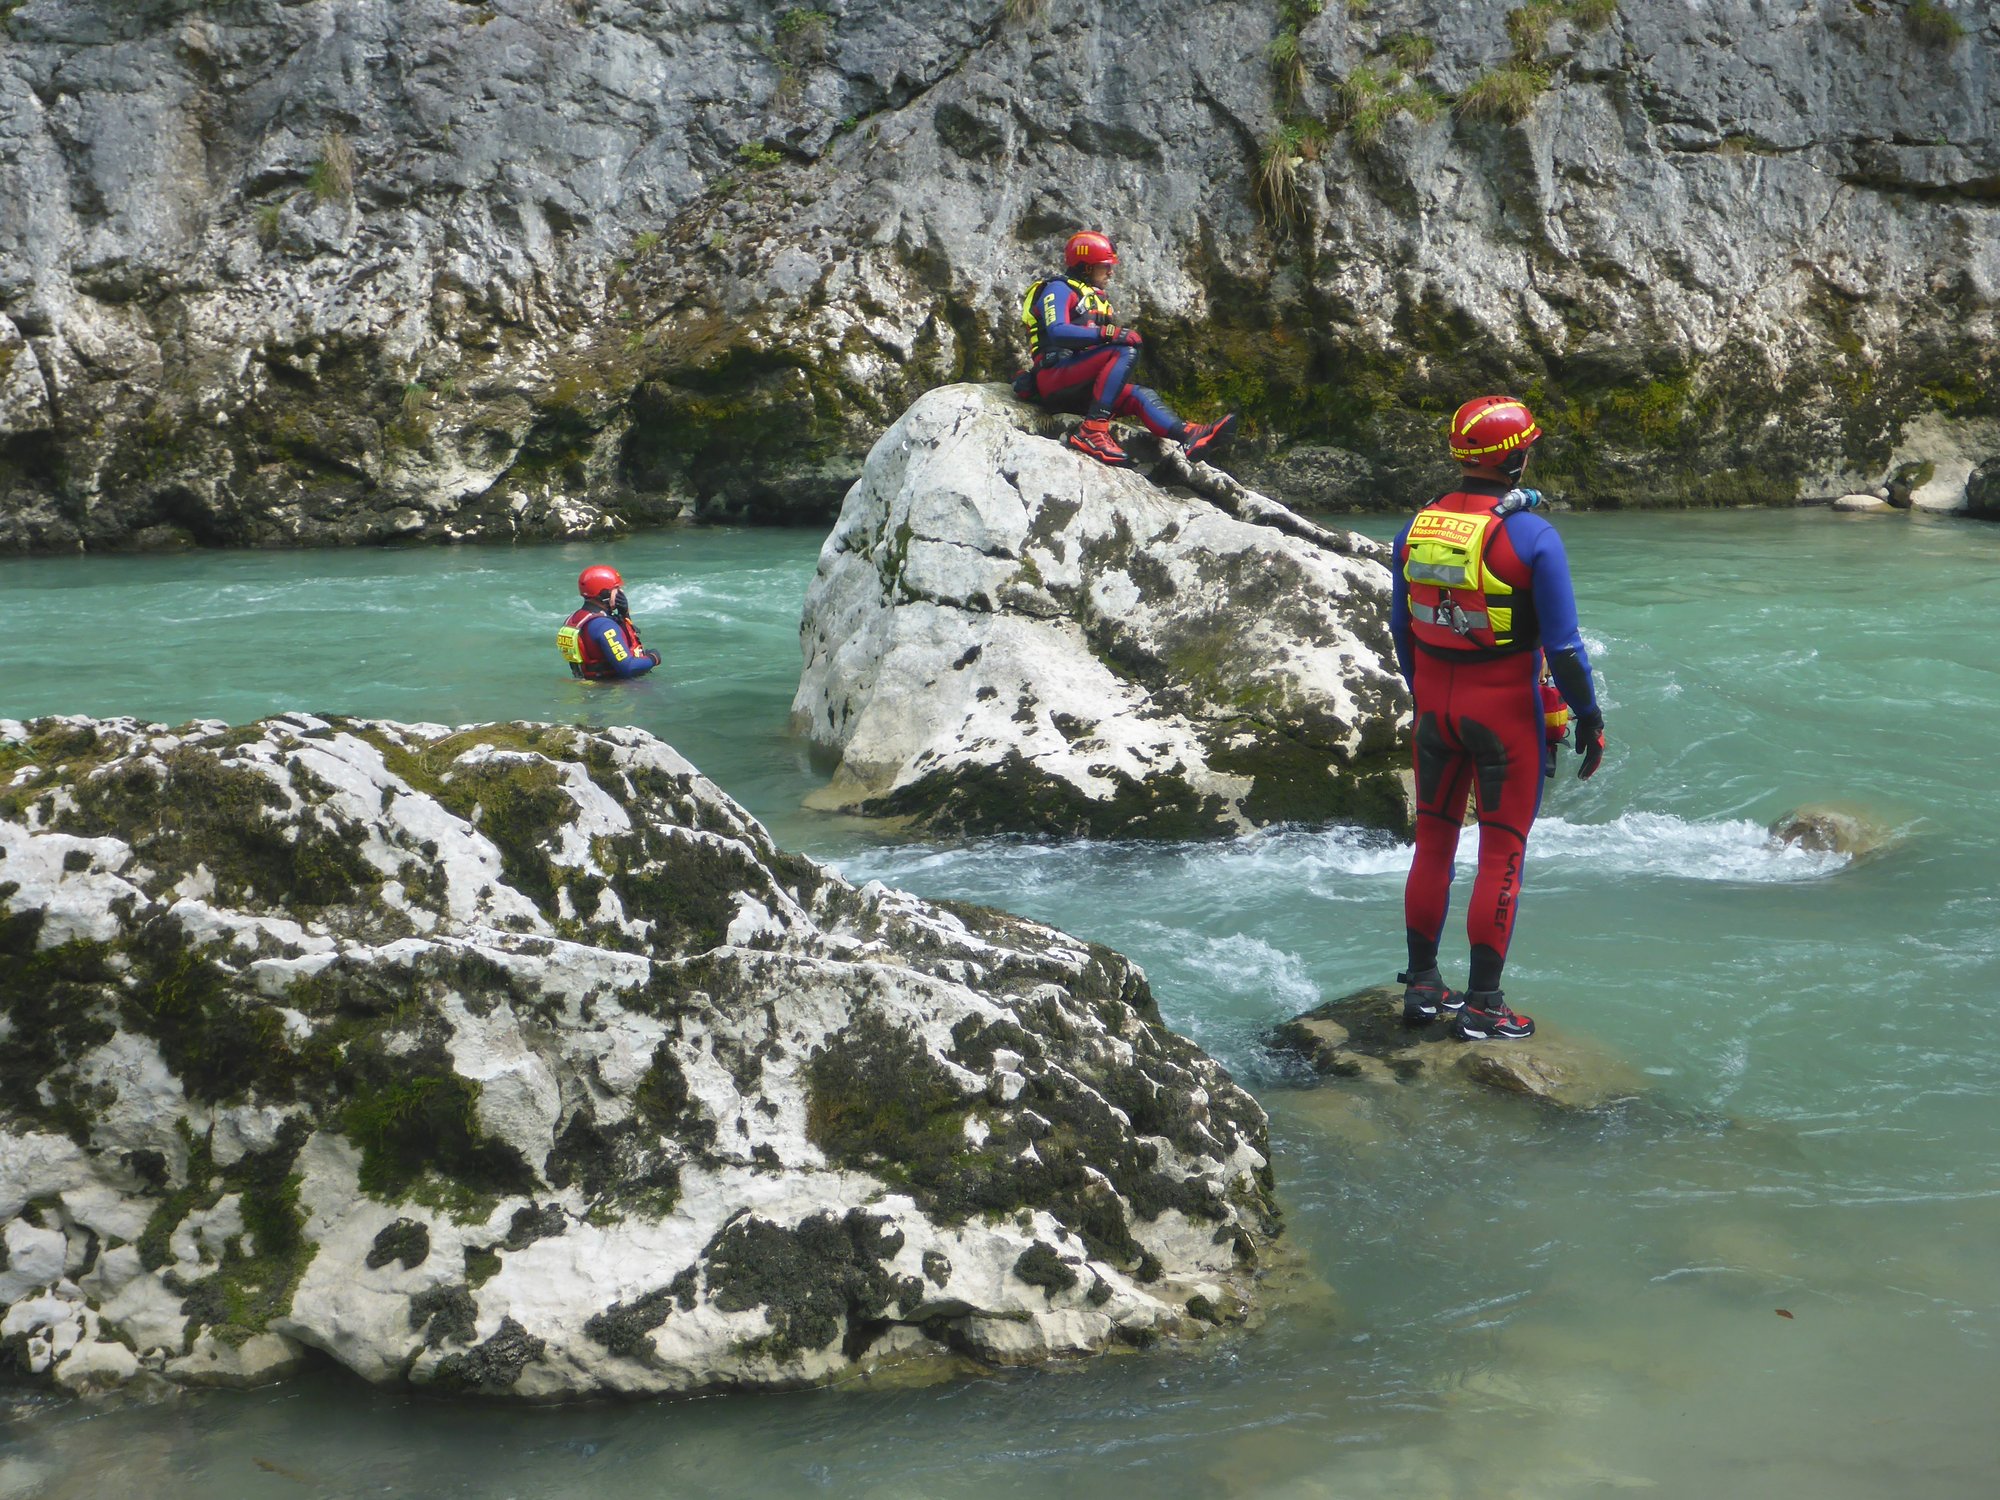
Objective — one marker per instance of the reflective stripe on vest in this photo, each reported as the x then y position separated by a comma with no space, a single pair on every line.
1458,621
1454,597
1092,304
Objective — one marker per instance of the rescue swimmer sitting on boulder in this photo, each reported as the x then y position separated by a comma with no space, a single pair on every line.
1083,360
599,641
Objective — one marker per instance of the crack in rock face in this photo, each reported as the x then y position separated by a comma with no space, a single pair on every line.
518,1061
1005,636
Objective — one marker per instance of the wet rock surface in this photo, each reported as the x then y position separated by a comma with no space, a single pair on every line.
295,271
517,1061
1362,1038
1006,636
1822,828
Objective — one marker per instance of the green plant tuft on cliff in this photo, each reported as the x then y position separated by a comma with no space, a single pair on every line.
1507,93
1528,27
1410,51
332,176
756,154
804,35
1288,65
1026,12
1593,15
1290,147
1368,98
268,217
1933,25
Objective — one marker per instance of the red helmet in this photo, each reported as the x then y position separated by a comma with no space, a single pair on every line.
1488,428
595,582
1089,249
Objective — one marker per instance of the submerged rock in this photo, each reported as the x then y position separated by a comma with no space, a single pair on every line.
1362,1037
1982,491
1005,636
519,1061
1819,828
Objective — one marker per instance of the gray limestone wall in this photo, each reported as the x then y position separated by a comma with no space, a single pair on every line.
314,271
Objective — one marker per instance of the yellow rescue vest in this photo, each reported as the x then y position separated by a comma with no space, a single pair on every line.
1453,593
1038,308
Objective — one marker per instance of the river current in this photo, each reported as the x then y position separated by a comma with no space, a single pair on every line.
1780,1278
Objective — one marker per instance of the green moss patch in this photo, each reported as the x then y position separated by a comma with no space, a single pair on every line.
413,1127
445,1314
880,1103
621,1168
1040,1265
813,1281
625,1327
407,1242
258,1273
194,809
53,999
1012,792
876,1096
492,1366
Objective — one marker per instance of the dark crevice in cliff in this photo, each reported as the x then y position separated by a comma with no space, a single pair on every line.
1981,190
1736,143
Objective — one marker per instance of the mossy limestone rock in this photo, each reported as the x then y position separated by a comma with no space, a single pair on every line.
1363,1037
518,1061
1006,636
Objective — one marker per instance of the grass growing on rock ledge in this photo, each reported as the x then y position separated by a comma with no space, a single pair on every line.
1933,24
1507,93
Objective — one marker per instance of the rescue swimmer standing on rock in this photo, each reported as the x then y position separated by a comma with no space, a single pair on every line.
599,640
1481,582
1083,360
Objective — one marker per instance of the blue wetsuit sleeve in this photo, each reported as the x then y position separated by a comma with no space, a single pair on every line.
1539,546
1055,304
611,644
1399,612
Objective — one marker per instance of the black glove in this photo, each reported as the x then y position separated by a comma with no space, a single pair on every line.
1589,732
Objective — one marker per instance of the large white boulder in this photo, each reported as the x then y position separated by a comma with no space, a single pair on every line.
518,1060
1004,635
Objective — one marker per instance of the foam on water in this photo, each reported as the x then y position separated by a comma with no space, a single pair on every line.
1326,861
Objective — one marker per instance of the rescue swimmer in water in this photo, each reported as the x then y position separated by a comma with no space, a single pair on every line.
1482,606
599,641
1083,360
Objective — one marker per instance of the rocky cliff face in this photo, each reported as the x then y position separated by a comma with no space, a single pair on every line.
1004,636
313,270
517,1061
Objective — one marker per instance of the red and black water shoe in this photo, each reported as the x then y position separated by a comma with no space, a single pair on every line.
1206,439
1425,997
1486,1018
1094,438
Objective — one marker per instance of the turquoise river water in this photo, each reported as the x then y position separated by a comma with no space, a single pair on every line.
1487,1301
